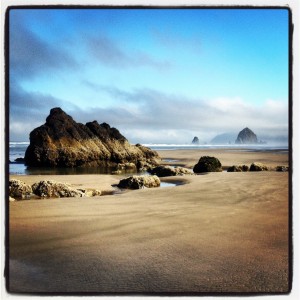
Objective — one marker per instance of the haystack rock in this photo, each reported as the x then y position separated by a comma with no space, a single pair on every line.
61,142
246,136
195,140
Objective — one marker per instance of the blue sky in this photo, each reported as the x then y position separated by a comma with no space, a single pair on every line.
158,75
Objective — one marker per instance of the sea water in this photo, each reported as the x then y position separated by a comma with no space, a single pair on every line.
17,150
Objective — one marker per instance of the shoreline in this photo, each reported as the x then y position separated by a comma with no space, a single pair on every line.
220,232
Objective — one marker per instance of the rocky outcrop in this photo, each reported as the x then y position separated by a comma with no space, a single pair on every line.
258,167
235,168
246,136
49,189
164,171
208,164
139,182
62,142
19,190
195,141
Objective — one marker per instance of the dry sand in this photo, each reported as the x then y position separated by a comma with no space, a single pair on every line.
219,232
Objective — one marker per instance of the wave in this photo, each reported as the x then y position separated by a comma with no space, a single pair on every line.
18,144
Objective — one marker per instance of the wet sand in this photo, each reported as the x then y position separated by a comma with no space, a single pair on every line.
219,232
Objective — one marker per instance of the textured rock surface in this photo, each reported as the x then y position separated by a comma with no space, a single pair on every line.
282,169
258,167
19,190
234,168
49,188
208,164
61,142
195,140
139,182
246,136
163,171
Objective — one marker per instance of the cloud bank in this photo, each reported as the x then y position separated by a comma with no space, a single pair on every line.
151,116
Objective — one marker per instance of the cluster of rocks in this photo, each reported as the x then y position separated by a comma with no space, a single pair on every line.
139,182
46,189
241,168
255,167
62,142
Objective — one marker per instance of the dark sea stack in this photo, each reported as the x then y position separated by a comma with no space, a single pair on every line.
195,141
208,164
62,142
246,136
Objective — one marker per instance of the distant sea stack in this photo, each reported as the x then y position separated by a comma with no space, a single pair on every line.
246,136
61,142
195,141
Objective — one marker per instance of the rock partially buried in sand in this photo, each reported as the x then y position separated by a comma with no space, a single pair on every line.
49,188
258,167
139,182
208,164
235,168
90,192
19,189
282,169
164,171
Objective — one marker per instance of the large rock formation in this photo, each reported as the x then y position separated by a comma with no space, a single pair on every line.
246,136
195,141
61,142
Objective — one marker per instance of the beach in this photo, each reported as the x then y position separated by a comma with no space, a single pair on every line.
216,232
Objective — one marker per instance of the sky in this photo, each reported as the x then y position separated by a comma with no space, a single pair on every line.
158,75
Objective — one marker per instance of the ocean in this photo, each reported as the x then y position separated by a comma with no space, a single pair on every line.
17,150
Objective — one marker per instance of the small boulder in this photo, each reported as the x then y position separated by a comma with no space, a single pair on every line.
19,189
139,182
240,168
49,188
20,160
282,169
208,164
90,192
164,171
11,199
258,167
